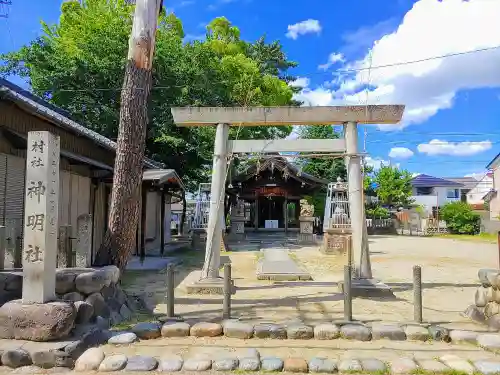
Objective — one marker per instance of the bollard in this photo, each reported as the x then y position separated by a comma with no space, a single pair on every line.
226,307
417,294
347,294
170,290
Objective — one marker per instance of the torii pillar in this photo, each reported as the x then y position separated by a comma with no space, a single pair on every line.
348,116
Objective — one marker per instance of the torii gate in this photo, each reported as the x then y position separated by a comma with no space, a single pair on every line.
348,116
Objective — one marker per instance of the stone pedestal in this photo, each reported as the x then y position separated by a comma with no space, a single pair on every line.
336,241
193,284
199,238
237,228
306,235
367,288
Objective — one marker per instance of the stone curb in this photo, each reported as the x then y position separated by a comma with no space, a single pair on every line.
94,359
356,331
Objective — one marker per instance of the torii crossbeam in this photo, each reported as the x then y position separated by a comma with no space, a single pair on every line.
224,117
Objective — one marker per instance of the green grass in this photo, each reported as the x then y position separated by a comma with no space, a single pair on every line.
482,237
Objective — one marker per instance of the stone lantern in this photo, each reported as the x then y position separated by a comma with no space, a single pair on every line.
337,223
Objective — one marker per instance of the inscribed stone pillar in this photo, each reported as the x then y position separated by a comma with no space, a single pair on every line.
84,240
41,217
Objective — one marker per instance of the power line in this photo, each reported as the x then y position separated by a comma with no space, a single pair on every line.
419,60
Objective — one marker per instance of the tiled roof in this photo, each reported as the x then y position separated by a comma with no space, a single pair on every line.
423,180
58,116
468,182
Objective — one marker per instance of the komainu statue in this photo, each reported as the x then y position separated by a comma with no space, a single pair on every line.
305,208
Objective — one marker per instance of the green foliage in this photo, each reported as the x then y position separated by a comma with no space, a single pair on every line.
460,218
393,186
377,212
420,210
326,168
79,63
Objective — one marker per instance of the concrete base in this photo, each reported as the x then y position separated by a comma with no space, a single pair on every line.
193,284
367,288
306,239
281,276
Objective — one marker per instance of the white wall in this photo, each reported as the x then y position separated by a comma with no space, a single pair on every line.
495,201
438,197
475,196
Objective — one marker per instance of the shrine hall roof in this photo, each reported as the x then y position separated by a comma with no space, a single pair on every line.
281,164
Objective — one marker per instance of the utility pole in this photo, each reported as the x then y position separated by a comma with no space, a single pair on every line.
127,179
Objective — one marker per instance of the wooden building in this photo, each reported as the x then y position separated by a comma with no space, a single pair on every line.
272,189
87,161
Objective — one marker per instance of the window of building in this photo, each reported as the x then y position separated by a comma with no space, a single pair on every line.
452,193
424,191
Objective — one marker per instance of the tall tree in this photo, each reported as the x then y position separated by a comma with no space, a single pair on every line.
393,186
123,218
79,63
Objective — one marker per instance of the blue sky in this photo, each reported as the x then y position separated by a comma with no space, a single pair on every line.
452,122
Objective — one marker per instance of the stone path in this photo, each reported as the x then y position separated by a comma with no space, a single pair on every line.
150,263
277,264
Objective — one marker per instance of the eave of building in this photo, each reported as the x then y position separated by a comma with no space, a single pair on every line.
39,107
494,163
160,177
281,164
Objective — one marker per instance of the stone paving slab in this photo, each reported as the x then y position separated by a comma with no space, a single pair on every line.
277,264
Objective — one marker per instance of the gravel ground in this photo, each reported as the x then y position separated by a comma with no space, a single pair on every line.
449,274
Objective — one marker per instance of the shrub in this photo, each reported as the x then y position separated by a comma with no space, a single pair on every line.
460,218
377,212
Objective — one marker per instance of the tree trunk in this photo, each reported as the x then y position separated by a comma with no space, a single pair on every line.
123,218
183,216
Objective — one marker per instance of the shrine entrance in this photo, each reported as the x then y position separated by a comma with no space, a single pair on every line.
271,212
272,189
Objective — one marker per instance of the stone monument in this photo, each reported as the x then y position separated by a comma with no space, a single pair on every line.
84,240
41,218
306,219
238,222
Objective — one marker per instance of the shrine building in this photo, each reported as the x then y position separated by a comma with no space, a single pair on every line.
271,190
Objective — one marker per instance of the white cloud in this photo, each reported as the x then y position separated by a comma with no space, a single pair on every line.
431,28
400,153
332,60
300,82
309,26
376,162
437,147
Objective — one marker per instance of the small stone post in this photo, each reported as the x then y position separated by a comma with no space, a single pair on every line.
64,252
306,221
84,241
41,217
3,247
170,291
417,294
347,293
226,307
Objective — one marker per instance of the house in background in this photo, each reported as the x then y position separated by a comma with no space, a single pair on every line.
431,192
492,196
474,189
